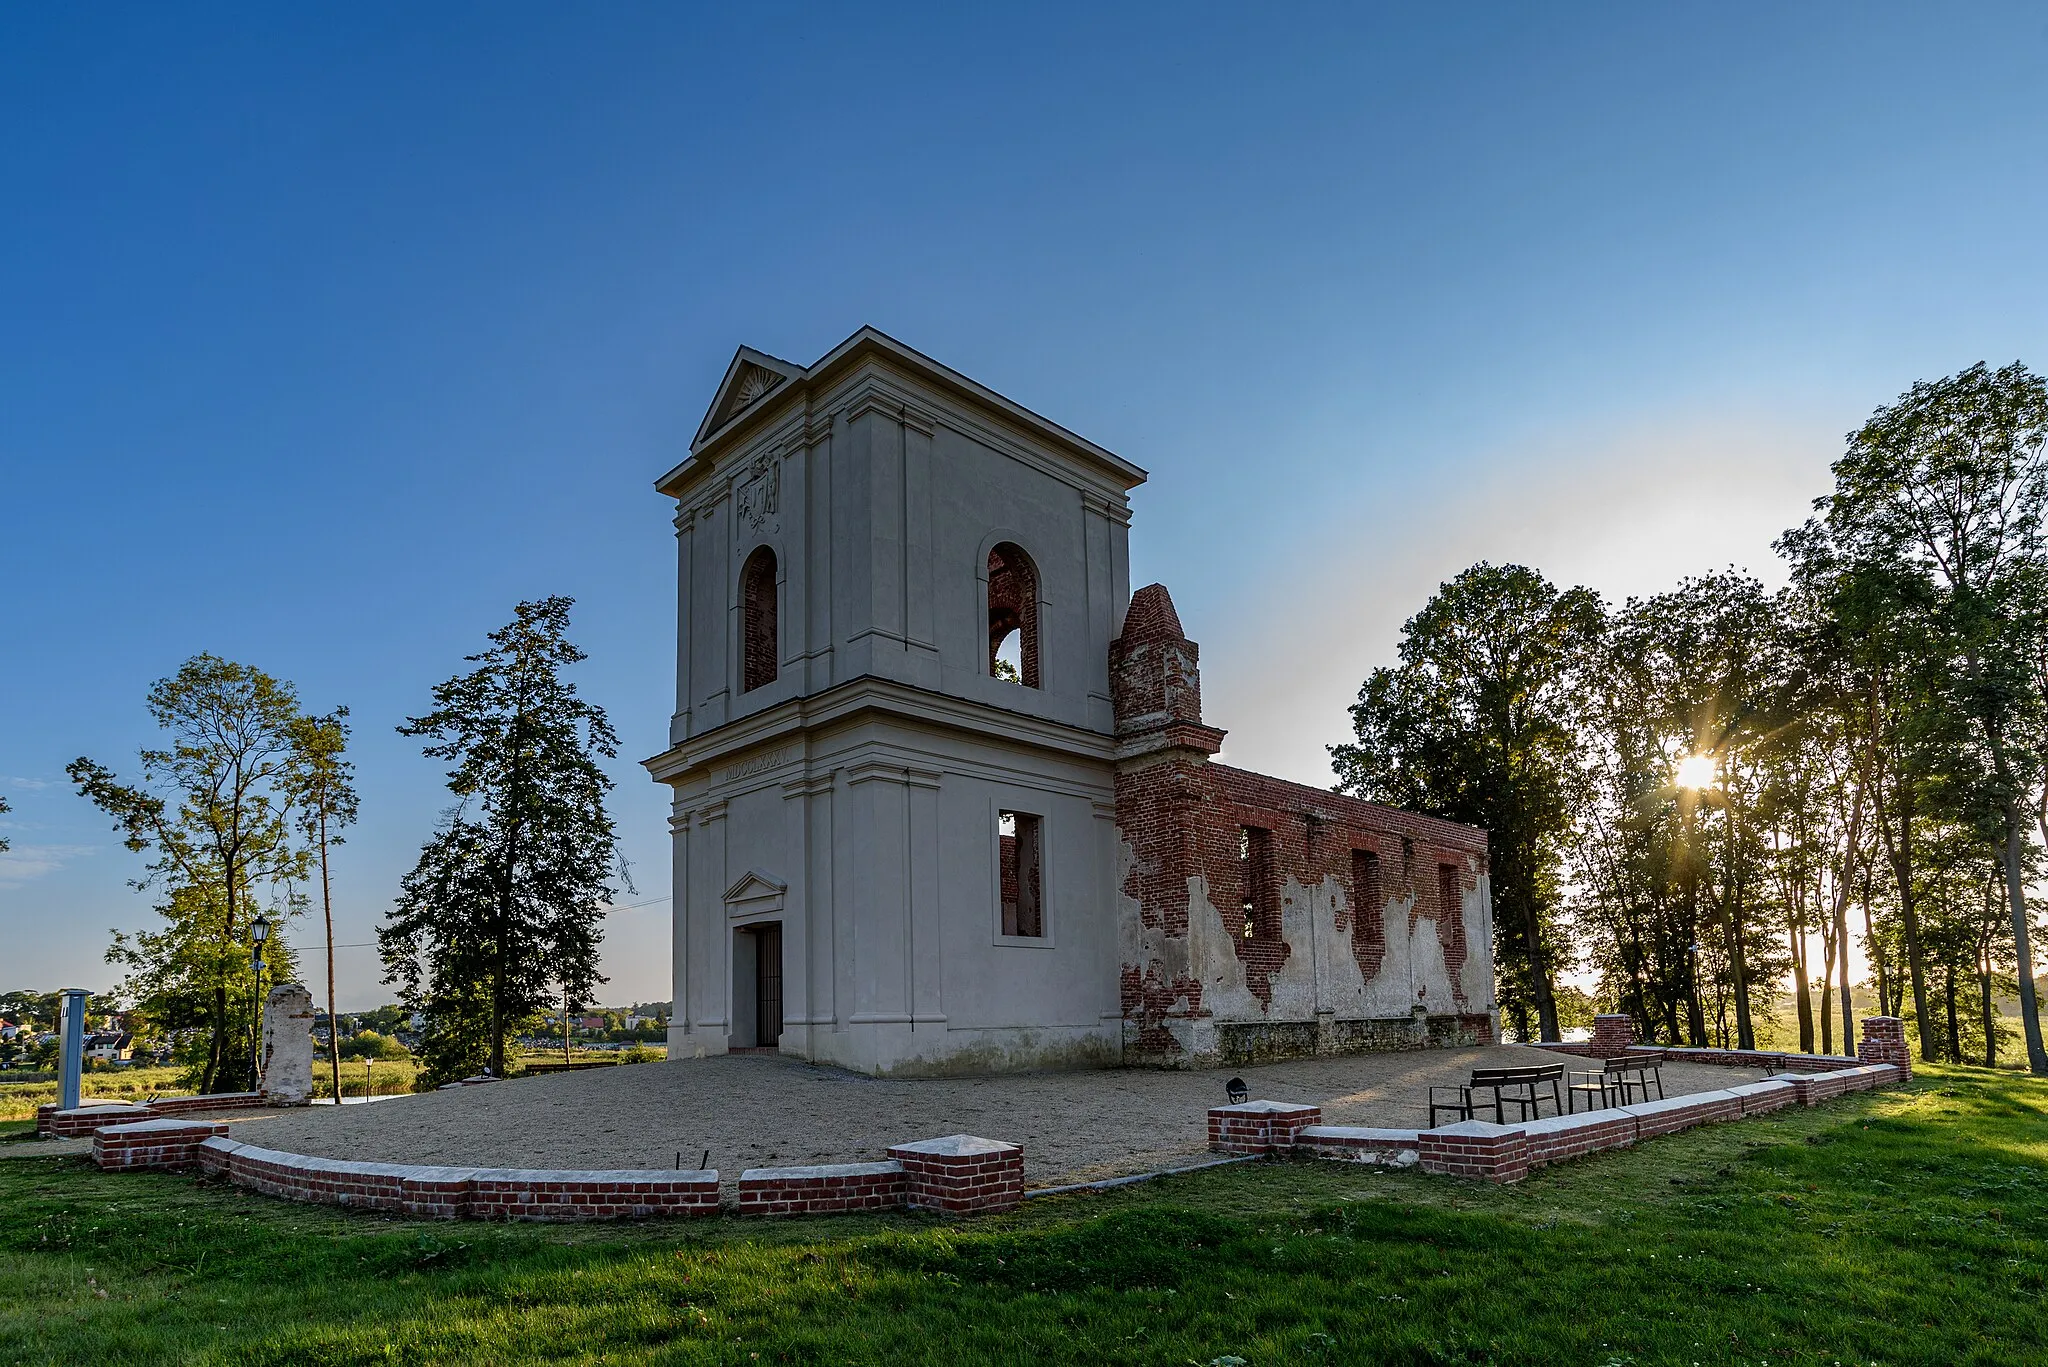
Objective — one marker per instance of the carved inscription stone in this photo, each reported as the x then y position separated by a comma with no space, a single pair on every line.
759,764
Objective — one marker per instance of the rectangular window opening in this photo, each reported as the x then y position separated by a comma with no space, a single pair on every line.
1021,836
1255,870
1450,900
1365,883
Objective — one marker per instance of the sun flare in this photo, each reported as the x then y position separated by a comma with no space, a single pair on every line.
1697,771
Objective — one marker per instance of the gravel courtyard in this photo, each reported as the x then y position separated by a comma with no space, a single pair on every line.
759,1110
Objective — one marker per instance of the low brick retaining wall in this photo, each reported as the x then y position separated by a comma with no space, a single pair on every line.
958,1175
1884,1041
1507,1153
823,1190
169,1145
79,1121
1353,1144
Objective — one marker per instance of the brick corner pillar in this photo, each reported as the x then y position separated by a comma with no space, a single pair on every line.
1259,1126
1475,1148
1884,1041
961,1174
1612,1036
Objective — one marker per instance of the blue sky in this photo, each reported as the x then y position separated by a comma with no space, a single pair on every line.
326,336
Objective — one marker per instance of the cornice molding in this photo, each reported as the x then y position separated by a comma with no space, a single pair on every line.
866,695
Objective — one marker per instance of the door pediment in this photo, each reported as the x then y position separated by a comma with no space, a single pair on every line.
756,892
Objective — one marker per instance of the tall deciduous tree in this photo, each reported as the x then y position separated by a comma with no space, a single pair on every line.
504,908
324,790
213,811
1476,724
1947,488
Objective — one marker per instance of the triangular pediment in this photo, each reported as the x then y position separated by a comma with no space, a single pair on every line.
752,377
755,886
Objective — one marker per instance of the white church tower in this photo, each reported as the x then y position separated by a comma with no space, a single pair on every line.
892,751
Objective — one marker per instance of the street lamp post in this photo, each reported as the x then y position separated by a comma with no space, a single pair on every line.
259,931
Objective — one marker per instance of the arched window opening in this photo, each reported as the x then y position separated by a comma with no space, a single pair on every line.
1012,616
760,649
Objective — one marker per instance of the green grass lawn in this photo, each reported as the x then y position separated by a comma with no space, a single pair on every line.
1893,1228
18,1100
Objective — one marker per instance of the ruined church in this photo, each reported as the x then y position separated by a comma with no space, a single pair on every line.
944,797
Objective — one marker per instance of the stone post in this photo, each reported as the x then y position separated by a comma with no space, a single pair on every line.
961,1174
287,1078
1259,1126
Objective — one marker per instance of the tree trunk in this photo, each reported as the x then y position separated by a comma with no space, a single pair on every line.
1990,1019
1695,1010
327,912
1539,975
1878,958
1848,1006
1827,1012
1738,957
1909,918
1955,1039
1802,990
2016,902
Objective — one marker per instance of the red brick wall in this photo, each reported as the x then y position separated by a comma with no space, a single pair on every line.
1182,816
761,651
1013,606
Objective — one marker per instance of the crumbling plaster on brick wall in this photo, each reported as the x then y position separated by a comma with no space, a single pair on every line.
1319,975
1188,968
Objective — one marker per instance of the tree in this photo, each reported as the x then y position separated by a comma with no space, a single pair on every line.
1945,491
213,811
1476,724
4,809
326,800
502,913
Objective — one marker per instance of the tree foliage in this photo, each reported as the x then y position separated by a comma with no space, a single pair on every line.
1477,724
212,810
502,913
323,790
1711,796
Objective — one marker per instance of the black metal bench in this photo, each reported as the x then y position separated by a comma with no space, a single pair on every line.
1521,1088
1619,1082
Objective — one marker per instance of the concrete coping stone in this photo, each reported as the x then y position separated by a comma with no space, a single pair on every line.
1769,1084
167,1125
1559,1124
1473,1129
956,1146
1676,1103
104,1108
438,1175
1357,1134
821,1171
408,1172
342,1167
634,1176
1265,1108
